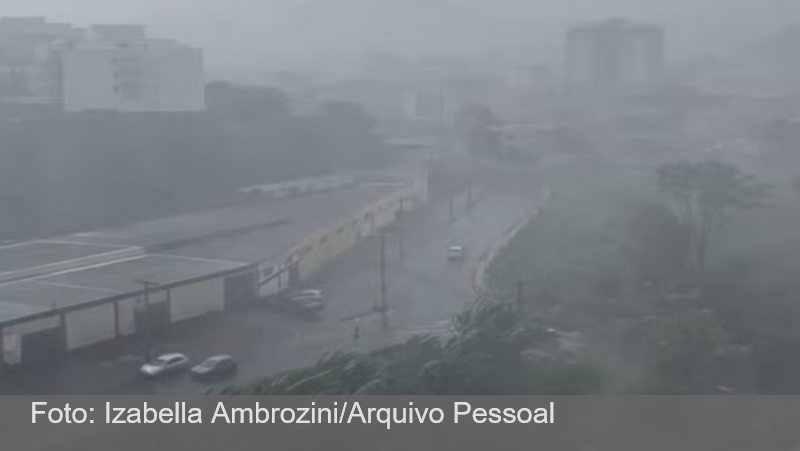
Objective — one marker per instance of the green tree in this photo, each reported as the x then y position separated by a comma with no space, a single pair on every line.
707,195
685,347
484,354
656,244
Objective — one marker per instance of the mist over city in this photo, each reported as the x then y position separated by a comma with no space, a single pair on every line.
245,37
399,197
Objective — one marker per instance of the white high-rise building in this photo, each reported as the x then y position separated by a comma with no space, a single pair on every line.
615,56
118,68
105,67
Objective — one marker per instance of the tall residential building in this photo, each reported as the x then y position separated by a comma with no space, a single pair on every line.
105,67
615,56
118,68
29,60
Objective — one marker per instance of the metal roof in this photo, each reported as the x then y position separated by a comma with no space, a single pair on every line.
89,268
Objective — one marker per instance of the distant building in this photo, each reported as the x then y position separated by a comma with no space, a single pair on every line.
105,67
615,56
427,104
526,78
118,68
29,66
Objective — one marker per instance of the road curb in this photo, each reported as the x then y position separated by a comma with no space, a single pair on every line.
479,271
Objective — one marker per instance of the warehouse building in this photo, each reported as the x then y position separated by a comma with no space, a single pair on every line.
68,293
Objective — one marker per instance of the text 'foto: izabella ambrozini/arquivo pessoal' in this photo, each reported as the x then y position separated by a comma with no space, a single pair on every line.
337,413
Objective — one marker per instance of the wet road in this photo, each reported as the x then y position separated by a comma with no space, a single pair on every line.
424,291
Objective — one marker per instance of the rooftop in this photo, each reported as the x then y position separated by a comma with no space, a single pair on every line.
38,276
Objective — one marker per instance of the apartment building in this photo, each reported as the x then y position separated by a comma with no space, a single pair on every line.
103,67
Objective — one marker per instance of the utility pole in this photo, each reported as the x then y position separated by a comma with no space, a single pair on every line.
146,314
469,195
401,229
383,305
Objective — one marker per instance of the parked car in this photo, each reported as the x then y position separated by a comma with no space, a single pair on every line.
456,253
164,364
218,365
304,302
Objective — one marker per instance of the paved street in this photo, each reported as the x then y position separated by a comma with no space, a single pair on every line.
424,291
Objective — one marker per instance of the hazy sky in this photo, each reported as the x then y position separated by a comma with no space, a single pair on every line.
266,34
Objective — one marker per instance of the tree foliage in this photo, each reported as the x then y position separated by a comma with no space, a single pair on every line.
656,243
483,355
685,346
707,195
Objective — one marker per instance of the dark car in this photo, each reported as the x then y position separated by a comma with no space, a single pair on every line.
217,366
306,302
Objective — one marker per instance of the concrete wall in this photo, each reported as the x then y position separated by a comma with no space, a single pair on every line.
197,299
90,326
127,316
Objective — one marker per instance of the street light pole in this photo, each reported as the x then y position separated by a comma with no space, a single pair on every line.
401,229
148,330
452,210
469,195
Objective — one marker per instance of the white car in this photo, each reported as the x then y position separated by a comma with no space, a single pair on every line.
167,363
455,253
307,294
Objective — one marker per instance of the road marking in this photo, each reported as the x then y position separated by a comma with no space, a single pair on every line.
198,259
21,273
76,243
98,265
82,287
9,246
